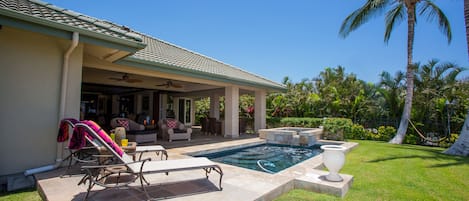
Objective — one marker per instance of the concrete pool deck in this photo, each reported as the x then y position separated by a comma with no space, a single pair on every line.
238,183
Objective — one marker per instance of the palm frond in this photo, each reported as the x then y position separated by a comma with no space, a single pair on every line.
443,68
361,16
385,79
286,80
399,75
393,17
456,70
432,11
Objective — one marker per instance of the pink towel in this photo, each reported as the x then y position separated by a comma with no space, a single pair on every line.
63,128
78,139
81,132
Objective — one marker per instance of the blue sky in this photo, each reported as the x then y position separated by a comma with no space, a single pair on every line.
278,38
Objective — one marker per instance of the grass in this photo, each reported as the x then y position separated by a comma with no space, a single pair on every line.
385,171
381,171
28,194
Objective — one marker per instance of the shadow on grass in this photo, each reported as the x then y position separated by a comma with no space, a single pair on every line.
431,154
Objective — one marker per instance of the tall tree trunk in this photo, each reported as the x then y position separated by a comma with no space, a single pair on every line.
401,132
466,19
461,146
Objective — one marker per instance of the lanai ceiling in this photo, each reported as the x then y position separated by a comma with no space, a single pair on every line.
112,82
112,78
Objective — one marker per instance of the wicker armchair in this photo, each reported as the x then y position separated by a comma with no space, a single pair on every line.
178,132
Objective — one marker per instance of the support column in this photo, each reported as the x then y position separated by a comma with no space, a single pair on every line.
73,93
163,105
215,106
115,104
150,105
73,84
232,112
176,107
260,110
192,111
139,104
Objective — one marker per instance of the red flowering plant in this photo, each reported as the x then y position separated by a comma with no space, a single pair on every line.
250,111
247,112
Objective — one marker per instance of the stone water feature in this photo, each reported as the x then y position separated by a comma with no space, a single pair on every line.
291,135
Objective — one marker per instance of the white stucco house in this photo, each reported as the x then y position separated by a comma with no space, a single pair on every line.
56,63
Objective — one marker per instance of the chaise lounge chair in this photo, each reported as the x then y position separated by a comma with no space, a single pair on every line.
78,152
135,168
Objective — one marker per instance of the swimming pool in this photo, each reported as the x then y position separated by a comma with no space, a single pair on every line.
271,158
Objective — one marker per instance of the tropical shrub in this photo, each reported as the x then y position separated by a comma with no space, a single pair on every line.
411,138
450,141
202,108
301,122
273,122
357,132
336,128
386,133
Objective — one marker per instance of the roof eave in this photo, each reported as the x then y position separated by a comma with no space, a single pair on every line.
135,62
48,27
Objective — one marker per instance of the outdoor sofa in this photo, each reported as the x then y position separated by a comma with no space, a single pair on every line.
134,131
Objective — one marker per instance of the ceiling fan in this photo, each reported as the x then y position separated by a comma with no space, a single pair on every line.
125,78
169,84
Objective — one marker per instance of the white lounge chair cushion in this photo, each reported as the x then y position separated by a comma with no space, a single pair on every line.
173,165
149,148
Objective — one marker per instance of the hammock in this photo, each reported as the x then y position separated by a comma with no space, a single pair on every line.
423,137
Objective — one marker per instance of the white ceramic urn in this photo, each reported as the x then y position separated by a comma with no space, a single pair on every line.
334,159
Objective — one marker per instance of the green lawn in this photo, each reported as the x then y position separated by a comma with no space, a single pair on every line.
28,194
384,171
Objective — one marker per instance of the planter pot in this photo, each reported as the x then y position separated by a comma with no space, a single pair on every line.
120,134
334,159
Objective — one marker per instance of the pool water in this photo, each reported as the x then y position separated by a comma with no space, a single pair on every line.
271,158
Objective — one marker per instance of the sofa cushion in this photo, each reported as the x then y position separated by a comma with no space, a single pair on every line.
139,132
171,123
124,123
176,130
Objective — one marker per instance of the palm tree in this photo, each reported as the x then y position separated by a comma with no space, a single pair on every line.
436,85
399,10
461,146
391,88
466,19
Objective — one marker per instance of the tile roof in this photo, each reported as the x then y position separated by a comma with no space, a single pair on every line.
161,52
156,52
43,10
